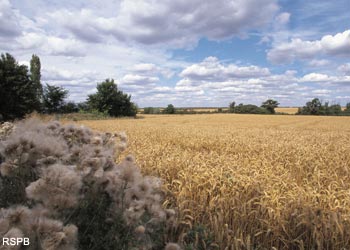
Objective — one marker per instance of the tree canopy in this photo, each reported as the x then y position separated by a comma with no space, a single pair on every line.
35,75
111,100
53,98
170,109
270,105
18,93
316,107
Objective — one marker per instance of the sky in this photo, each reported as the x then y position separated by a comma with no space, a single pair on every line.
190,53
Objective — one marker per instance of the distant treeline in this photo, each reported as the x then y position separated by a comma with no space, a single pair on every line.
316,107
313,107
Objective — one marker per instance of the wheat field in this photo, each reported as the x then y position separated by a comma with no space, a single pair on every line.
255,181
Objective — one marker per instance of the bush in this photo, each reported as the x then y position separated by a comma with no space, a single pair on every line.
151,110
250,109
111,100
170,109
316,107
61,188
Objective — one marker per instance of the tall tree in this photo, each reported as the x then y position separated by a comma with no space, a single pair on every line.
111,100
270,105
170,109
232,107
17,91
35,75
53,98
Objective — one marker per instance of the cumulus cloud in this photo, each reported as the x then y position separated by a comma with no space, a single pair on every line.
344,68
337,45
211,69
55,74
131,79
324,78
151,69
9,25
51,45
319,63
180,23
315,77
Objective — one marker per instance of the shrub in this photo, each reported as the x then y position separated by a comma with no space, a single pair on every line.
316,107
151,110
170,109
61,187
250,109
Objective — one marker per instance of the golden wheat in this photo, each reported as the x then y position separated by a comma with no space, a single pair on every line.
275,182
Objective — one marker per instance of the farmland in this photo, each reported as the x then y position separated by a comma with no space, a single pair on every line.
254,181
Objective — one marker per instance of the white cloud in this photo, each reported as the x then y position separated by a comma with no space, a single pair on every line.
345,69
319,63
9,25
51,45
315,77
321,91
144,67
211,69
323,78
131,79
179,23
337,45
151,69
283,18
63,75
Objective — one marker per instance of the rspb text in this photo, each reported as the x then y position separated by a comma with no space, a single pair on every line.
15,241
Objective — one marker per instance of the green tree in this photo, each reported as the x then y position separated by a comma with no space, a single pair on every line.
170,109
347,108
17,91
53,98
111,100
250,109
35,75
151,110
314,107
69,107
232,107
270,105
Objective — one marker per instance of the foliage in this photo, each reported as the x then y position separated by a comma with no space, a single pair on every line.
246,109
18,94
232,107
170,109
61,187
111,100
270,105
250,109
69,107
316,107
35,75
53,98
347,109
151,110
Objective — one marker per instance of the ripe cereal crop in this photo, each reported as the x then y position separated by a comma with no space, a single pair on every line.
255,182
